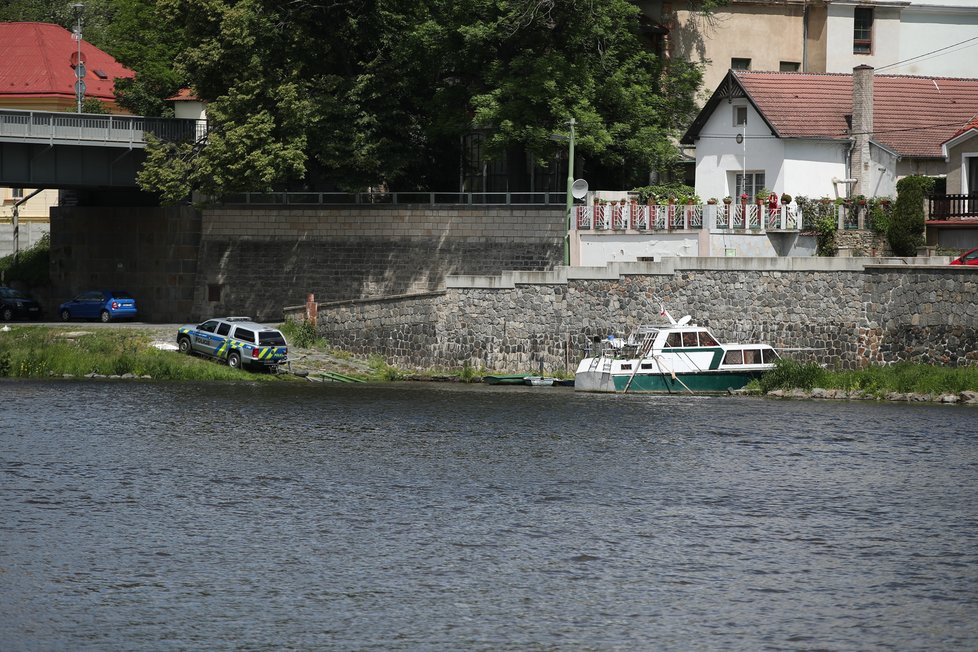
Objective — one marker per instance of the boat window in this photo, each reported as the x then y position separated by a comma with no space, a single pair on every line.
689,339
707,340
674,339
770,356
734,357
646,365
625,366
752,356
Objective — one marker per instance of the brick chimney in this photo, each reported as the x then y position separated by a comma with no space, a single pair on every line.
862,128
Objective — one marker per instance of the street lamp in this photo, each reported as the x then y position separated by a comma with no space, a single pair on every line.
78,8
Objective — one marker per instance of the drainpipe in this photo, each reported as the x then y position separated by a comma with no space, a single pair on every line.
16,222
804,38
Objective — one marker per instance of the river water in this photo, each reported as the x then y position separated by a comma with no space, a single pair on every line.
151,516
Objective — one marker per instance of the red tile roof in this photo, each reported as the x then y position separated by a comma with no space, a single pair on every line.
911,115
35,61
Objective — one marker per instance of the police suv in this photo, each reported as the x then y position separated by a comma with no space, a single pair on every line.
239,341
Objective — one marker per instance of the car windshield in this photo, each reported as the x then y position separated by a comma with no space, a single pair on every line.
270,338
11,293
116,294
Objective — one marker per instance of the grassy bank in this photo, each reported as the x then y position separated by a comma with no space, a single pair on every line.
41,352
901,378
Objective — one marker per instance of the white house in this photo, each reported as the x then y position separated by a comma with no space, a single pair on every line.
825,135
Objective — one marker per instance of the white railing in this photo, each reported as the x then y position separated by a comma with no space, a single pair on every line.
96,129
632,217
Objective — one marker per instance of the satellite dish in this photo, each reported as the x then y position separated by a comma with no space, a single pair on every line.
684,320
579,189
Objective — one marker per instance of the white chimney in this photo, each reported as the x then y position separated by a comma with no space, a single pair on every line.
862,128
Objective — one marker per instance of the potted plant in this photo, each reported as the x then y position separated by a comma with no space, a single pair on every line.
861,200
728,200
785,198
712,201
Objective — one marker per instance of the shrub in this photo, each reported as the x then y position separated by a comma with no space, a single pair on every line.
663,191
825,231
301,334
32,265
905,231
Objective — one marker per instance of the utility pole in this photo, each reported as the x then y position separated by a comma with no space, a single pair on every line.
570,196
79,8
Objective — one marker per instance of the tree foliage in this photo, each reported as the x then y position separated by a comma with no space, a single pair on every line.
362,92
347,94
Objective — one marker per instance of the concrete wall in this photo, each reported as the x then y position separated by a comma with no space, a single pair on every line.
30,231
843,312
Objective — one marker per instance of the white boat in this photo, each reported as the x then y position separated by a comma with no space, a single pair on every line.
672,358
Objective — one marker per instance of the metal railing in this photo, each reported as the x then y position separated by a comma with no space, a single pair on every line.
96,129
549,199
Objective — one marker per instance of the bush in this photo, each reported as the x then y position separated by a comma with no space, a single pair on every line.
301,334
32,265
906,228
662,192
825,231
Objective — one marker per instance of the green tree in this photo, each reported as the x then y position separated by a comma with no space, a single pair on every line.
366,92
906,228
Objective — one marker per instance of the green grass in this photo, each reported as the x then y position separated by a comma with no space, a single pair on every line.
902,377
41,352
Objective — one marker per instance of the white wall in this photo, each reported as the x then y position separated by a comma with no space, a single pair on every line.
598,250
887,34
900,34
810,166
29,233
718,153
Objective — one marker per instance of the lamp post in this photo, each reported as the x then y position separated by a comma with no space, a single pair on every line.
570,196
78,8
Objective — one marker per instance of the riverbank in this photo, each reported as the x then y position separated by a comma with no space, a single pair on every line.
148,352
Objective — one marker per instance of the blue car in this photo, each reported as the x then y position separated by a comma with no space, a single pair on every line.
99,304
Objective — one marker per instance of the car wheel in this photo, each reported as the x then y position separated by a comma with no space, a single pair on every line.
7,314
105,316
234,360
184,345
65,315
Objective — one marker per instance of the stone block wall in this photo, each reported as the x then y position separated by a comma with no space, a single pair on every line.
835,312
255,261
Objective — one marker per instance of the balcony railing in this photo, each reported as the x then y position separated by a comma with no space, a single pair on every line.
953,207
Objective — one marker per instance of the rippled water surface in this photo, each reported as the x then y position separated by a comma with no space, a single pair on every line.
444,517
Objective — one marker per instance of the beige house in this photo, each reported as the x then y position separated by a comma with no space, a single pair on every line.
903,37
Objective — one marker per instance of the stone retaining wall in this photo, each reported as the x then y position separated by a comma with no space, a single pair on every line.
841,312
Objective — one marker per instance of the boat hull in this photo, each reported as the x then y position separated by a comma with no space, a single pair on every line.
701,382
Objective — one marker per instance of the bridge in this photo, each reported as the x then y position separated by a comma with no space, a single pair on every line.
44,149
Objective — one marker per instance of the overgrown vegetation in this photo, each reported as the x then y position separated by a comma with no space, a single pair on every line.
303,335
40,352
31,268
903,377
826,228
661,192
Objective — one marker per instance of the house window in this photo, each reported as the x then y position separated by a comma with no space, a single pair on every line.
740,64
862,32
739,116
17,193
214,291
751,183
789,66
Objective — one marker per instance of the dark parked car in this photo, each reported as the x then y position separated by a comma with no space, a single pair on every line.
15,304
99,304
967,258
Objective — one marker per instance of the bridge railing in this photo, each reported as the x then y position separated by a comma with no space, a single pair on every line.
96,129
